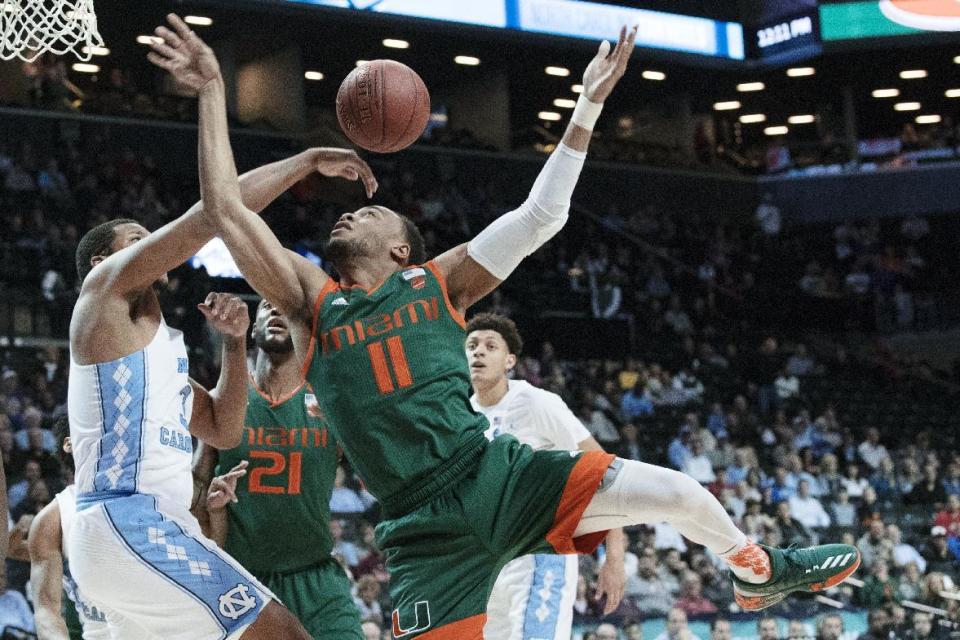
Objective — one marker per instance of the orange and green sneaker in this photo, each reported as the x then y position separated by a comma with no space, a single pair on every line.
811,569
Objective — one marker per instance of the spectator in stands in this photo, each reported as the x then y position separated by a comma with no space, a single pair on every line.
768,629
949,518
768,216
677,628
599,425
635,403
15,613
830,627
797,630
691,599
367,599
677,319
951,484
885,482
880,588
697,465
929,490
940,558
647,588
903,553
911,582
792,532
853,483
720,629
875,546
922,627
878,626
844,514
870,509
871,452
807,509
344,499
345,549
766,367
801,363
679,448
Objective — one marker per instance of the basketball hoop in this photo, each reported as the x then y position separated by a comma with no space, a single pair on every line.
30,28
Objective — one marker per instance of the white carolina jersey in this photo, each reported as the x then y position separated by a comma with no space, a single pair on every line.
533,416
129,423
533,596
92,618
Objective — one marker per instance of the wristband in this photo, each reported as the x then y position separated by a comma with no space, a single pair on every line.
586,113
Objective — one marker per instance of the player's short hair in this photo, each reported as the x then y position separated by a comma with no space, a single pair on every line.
61,431
503,325
418,248
96,242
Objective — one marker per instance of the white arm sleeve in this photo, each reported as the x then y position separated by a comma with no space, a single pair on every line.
513,236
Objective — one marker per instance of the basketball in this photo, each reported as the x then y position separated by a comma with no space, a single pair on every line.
383,106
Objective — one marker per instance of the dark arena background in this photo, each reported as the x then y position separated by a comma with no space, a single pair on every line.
758,284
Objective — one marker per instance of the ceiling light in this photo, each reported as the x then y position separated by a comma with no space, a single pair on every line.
730,105
751,118
394,43
83,67
957,60
799,72
885,93
563,72
96,51
577,88
952,93
552,116
928,119
149,39
907,106
313,75
776,131
913,74
565,103
654,75
198,21
802,119
470,61
750,86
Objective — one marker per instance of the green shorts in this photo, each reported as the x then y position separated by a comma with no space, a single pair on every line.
319,596
71,618
444,556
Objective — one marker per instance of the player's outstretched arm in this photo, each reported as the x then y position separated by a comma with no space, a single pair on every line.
222,491
46,573
475,269
218,414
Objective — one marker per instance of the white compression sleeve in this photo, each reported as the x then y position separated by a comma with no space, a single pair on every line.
513,236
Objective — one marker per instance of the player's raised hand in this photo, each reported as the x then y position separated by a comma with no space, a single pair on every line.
184,55
227,313
345,163
607,67
223,489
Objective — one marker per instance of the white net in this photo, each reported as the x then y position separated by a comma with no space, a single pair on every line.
30,28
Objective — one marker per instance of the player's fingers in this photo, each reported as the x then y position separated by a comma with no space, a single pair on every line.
179,25
163,49
243,464
235,473
205,310
604,50
164,63
369,180
169,37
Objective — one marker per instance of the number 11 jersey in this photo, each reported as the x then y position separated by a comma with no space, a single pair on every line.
281,520
394,385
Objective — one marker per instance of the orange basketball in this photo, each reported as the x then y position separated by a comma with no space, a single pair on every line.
383,106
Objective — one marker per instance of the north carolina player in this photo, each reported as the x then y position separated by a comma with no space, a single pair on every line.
48,580
135,548
533,596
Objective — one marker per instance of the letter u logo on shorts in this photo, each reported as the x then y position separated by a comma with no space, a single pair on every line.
421,620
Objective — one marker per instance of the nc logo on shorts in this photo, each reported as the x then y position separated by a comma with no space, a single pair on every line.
421,620
236,602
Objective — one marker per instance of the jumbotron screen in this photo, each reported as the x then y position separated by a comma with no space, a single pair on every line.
570,18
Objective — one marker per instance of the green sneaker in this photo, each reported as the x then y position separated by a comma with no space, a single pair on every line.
811,569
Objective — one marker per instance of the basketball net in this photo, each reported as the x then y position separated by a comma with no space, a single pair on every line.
30,28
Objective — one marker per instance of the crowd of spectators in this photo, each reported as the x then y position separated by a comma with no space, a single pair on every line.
738,409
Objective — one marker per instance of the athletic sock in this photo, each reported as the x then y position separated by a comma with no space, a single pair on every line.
749,562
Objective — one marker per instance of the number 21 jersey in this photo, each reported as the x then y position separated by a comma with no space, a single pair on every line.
281,520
